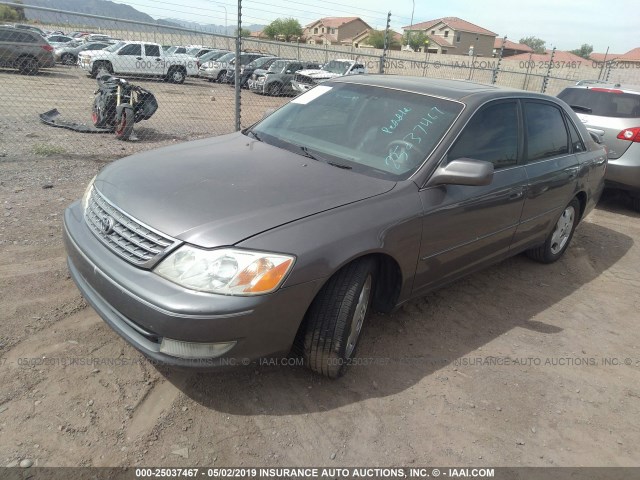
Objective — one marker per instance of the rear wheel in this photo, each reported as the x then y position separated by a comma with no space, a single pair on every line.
336,317
124,127
560,237
221,76
28,66
176,75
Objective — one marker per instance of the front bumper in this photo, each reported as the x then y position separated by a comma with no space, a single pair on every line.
144,308
624,172
208,73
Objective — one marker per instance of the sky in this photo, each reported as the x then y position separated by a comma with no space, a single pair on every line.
563,24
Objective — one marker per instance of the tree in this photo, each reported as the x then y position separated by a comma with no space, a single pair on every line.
584,51
243,32
8,14
376,39
415,39
20,11
536,43
285,28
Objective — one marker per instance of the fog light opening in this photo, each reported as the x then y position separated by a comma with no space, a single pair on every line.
194,350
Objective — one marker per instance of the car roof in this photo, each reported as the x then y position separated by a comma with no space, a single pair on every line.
452,89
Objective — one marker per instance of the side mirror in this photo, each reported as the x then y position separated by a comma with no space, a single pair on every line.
288,71
596,138
463,171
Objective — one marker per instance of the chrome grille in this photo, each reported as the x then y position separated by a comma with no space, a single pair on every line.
124,235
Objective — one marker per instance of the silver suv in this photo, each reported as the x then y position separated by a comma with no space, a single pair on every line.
613,113
25,50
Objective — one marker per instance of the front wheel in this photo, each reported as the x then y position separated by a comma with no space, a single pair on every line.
28,66
558,240
124,127
68,59
336,317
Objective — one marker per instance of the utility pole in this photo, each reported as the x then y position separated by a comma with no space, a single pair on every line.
386,43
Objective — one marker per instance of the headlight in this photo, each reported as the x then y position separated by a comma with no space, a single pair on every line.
226,271
260,79
87,195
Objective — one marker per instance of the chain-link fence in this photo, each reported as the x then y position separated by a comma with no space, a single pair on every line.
58,96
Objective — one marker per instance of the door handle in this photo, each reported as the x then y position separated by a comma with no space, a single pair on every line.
158,59
515,194
138,58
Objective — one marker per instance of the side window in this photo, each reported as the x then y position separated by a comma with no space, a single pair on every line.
491,135
5,36
294,67
576,142
546,132
134,49
152,50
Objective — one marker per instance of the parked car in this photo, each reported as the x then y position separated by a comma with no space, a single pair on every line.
215,70
245,59
246,71
25,50
210,57
68,54
277,79
78,34
197,52
138,58
31,28
56,40
308,79
98,37
613,113
362,193
176,50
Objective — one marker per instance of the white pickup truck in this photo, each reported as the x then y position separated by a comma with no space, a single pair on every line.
145,59
306,79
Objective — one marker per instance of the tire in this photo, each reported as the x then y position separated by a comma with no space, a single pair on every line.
560,237
28,66
68,59
176,75
220,76
275,89
335,318
124,127
98,66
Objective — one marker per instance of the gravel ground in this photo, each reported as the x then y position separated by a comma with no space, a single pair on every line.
443,395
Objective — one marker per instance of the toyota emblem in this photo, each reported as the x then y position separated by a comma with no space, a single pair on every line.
106,225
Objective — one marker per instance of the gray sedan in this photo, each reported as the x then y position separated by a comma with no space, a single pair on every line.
360,194
68,54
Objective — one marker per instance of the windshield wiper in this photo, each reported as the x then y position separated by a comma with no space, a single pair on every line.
254,135
581,108
308,154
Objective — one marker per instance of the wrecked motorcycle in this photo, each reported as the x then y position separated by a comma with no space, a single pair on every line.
118,105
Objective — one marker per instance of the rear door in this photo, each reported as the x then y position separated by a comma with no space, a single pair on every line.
466,227
552,170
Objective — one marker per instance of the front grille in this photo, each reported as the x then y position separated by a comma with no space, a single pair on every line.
125,236
303,79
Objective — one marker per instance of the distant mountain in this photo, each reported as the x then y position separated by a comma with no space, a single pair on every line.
211,28
106,8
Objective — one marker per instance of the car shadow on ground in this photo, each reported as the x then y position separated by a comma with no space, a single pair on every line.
426,335
41,73
617,201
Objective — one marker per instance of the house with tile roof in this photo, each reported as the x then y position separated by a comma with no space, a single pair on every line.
455,36
632,56
604,57
541,58
336,31
510,48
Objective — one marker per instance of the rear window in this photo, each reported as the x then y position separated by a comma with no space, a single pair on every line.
602,103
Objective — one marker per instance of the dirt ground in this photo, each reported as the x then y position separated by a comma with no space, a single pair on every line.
521,364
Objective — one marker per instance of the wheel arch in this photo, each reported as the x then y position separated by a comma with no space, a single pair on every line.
582,200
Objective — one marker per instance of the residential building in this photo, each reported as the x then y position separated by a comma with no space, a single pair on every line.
455,36
510,48
336,31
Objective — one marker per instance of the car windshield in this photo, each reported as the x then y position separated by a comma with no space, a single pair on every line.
193,51
114,47
278,66
260,62
335,66
603,102
212,56
227,57
376,131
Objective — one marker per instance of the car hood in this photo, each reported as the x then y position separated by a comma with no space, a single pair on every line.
318,74
220,191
